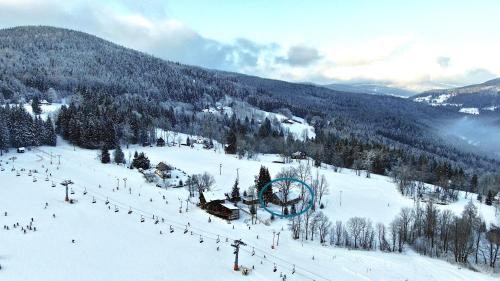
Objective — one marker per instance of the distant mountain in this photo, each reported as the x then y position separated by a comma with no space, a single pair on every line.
473,99
370,88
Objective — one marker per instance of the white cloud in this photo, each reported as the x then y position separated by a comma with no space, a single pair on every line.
405,61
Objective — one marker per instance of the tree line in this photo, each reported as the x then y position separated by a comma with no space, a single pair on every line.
18,128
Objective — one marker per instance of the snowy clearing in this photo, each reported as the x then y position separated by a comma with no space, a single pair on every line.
114,245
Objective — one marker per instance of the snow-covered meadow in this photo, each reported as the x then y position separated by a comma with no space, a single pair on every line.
115,245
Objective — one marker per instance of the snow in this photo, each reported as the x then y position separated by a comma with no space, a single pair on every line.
230,206
47,109
442,98
293,193
299,127
491,108
296,126
213,196
470,110
424,99
116,246
437,100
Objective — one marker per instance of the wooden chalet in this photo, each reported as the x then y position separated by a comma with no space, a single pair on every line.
299,155
160,142
163,170
215,204
292,198
250,200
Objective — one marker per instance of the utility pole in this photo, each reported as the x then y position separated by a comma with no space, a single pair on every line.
220,169
274,233
13,158
278,241
59,159
236,246
51,158
125,183
117,183
65,184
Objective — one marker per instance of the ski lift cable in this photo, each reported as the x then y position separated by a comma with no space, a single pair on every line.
203,233
198,231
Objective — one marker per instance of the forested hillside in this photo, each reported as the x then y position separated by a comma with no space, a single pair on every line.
117,94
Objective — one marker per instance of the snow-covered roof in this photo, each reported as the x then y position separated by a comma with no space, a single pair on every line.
213,196
229,206
293,193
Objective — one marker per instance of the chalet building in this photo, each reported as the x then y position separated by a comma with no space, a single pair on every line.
292,198
163,170
215,204
21,150
299,155
250,200
207,144
160,142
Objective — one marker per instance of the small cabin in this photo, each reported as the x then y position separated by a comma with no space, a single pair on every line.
21,150
207,144
215,204
160,142
163,170
250,200
299,155
292,198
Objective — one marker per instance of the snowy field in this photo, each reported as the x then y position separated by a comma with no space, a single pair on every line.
296,126
111,244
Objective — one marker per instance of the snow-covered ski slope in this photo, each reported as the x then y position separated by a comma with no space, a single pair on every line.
117,246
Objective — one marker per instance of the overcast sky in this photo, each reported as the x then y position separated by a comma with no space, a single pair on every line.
411,44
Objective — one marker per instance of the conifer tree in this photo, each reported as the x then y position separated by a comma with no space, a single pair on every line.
35,105
50,137
119,156
231,147
141,161
489,198
105,157
4,135
235,192
261,180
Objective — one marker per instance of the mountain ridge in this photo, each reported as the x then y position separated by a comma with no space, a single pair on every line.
483,98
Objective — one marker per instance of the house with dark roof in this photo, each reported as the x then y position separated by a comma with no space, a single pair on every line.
215,204
290,197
